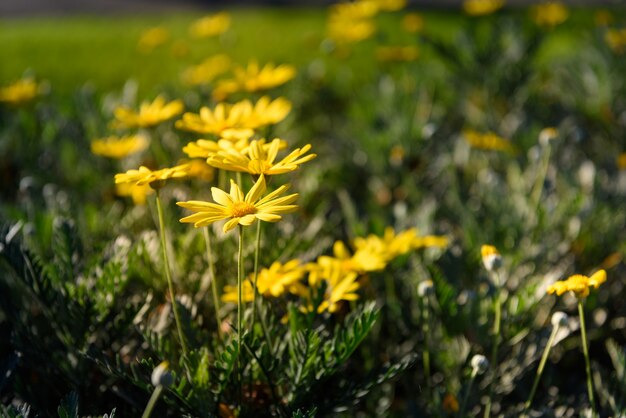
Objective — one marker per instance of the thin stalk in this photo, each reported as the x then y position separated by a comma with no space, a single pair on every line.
152,402
494,349
583,333
257,250
213,278
542,364
239,305
426,330
466,396
168,274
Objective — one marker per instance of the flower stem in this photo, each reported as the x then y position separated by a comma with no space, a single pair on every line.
466,396
583,333
239,303
216,300
168,274
426,331
257,250
494,349
152,402
542,364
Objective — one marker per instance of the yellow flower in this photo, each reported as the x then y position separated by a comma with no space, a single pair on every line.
200,169
271,282
391,245
226,120
616,40
487,141
621,161
370,257
351,31
145,176
207,70
119,147
389,5
269,112
240,210
546,135
413,22
260,159
450,404
578,284
211,25
20,92
491,257
254,78
549,14
341,285
481,7
149,114
151,38
396,53
205,148
603,18
353,10
137,193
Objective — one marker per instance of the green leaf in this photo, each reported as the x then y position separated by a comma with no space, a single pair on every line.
69,406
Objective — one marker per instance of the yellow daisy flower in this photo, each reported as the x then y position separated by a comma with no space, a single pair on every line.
135,192
119,147
350,31
149,114
616,40
487,141
549,14
20,92
491,257
211,25
152,38
240,210
226,120
205,148
341,285
269,112
621,161
201,170
413,22
578,284
144,175
254,78
206,71
370,257
482,7
353,10
260,159
390,5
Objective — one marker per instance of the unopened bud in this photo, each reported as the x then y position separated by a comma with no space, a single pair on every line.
161,375
546,135
479,364
425,288
559,319
491,257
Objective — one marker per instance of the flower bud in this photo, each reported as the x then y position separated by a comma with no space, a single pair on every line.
161,375
479,364
491,257
546,135
425,288
559,319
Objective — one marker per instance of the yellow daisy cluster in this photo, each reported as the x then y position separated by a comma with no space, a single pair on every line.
549,14
579,284
149,114
20,92
254,78
144,175
487,141
211,25
482,7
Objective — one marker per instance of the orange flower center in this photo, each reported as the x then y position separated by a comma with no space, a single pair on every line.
241,209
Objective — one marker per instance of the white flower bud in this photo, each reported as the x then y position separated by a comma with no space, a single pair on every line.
491,257
559,319
479,364
161,375
425,288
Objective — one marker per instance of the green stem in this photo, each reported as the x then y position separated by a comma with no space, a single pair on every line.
466,396
152,402
257,249
426,330
168,274
239,303
213,278
542,364
583,333
494,349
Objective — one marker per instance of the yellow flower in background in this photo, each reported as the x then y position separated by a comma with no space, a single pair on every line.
201,170
207,71
396,53
225,120
621,161
549,14
603,18
413,22
260,158
482,7
350,11
205,148
491,257
20,92
487,141
211,25
616,40
137,193
450,404
119,147
150,114
269,112
578,284
254,78
144,175
430,241
389,5
352,31
240,210
370,257
152,38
